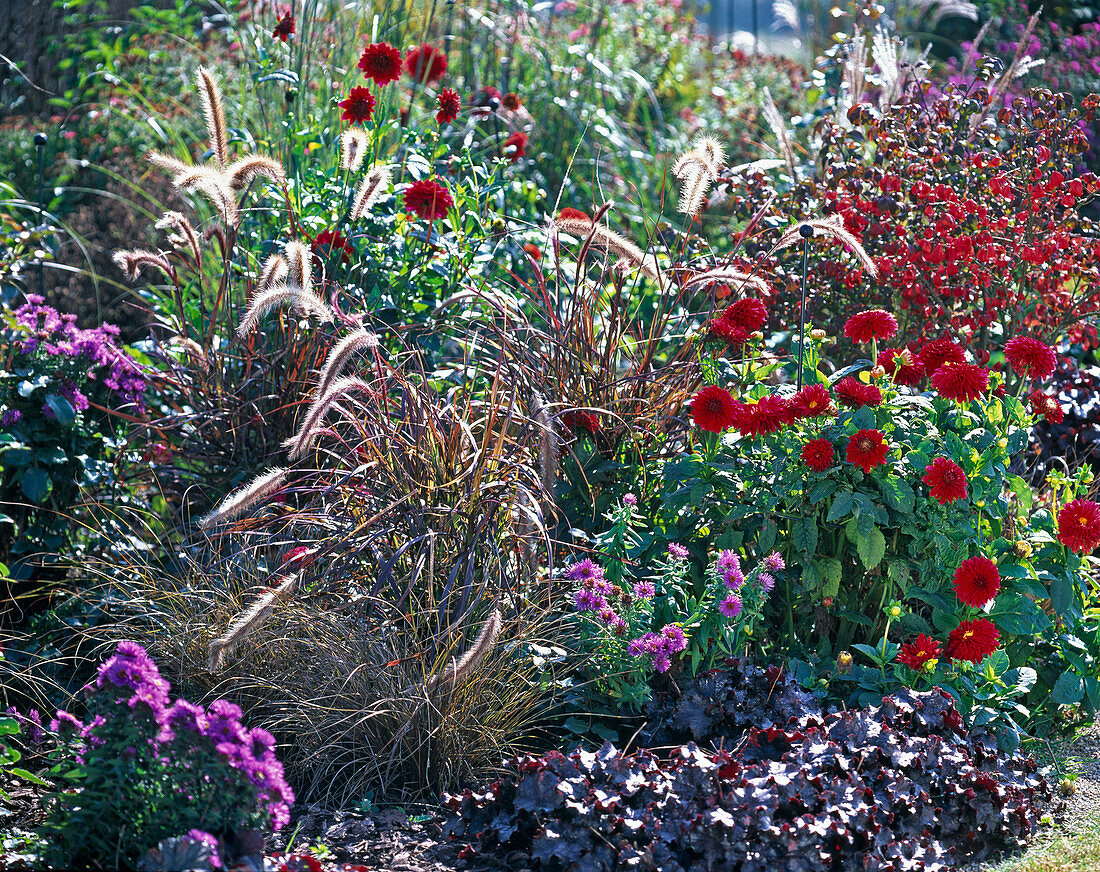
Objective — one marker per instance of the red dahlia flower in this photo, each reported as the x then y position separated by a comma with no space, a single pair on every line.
713,409
748,313
765,416
945,479
852,392
1079,526
871,324
284,27
818,454
867,449
426,63
570,212
1030,357
973,640
511,101
359,106
1048,406
725,328
381,62
961,382
428,199
812,401
327,243
515,146
938,352
449,105
919,653
977,581
901,365
576,420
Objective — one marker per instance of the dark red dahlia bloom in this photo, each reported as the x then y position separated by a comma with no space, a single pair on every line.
515,146
284,27
511,101
852,392
973,640
867,449
724,328
938,352
449,104
426,63
747,312
713,409
381,62
576,420
1079,526
871,324
818,454
945,479
961,382
812,401
327,243
428,199
767,415
1048,406
977,581
1030,357
919,653
902,366
570,212
359,106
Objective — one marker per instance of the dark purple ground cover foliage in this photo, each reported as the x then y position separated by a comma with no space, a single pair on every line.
902,786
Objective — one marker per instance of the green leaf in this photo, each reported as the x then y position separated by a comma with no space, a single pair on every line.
1062,595
36,484
804,535
872,548
870,652
821,490
62,409
1019,616
1068,689
841,507
897,494
833,570
1023,493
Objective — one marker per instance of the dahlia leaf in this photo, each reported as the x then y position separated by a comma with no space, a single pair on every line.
1068,689
841,507
872,548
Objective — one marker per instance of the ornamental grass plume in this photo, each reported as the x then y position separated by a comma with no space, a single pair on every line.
459,669
238,502
832,227
729,275
307,433
248,621
353,148
697,170
595,233
372,189
279,296
341,353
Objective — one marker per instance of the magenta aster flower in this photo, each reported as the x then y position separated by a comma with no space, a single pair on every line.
774,562
644,590
731,606
677,551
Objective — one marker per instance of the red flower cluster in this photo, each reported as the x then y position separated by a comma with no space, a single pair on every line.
381,62
871,324
767,415
812,401
428,199
1047,406
1079,526
977,581
867,449
1030,357
515,146
852,392
358,106
945,479
902,366
576,420
938,353
449,106
747,312
961,382
713,409
426,63
818,454
973,640
327,243
919,653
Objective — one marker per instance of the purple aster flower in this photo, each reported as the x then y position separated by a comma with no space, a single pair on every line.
608,616
661,662
630,500
677,551
644,590
774,562
728,560
766,581
210,841
65,722
618,627
674,637
636,647
602,587
733,578
585,600
10,416
584,570
186,716
730,606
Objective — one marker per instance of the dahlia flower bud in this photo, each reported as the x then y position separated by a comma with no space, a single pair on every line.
844,662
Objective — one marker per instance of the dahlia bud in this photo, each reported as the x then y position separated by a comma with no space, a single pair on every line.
827,602
894,612
905,358
878,372
844,662
818,334
756,336
1067,787
1022,549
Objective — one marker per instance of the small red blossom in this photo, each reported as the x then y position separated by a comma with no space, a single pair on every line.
449,106
515,146
284,27
748,312
867,449
945,479
902,366
871,324
812,401
919,653
326,244
359,106
938,352
735,335
576,420
973,640
961,382
426,63
1048,406
1030,357
818,454
570,212
1079,526
533,251
977,581
511,101
381,62
713,409
852,392
767,415
428,199
301,557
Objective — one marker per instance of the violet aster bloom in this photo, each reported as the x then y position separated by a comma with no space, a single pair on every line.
10,417
630,500
636,647
766,582
731,606
644,590
584,570
675,639
728,560
774,562
677,551
661,662
733,578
